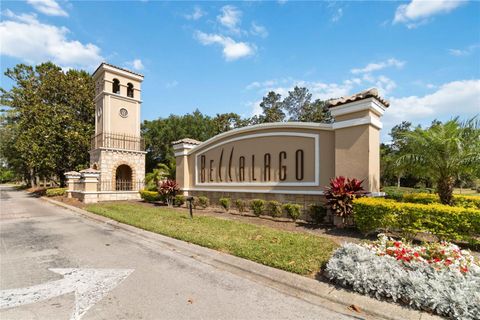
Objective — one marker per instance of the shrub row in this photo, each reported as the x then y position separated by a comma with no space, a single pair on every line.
53,192
429,198
274,208
258,206
445,222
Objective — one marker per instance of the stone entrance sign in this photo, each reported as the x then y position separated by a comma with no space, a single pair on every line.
289,160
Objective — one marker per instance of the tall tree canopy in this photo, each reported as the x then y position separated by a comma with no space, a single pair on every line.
48,120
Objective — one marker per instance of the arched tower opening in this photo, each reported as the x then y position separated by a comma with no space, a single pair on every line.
123,178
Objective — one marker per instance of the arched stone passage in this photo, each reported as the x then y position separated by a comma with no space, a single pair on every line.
123,178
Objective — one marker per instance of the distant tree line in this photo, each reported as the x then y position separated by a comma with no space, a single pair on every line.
159,134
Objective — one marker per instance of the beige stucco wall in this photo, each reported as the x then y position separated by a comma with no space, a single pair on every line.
258,146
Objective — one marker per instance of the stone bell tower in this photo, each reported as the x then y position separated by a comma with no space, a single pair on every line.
117,150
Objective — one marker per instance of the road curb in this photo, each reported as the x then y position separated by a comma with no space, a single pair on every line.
302,287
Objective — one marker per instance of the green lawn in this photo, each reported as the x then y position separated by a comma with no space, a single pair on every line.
296,252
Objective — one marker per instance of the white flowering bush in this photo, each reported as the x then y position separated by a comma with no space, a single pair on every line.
437,277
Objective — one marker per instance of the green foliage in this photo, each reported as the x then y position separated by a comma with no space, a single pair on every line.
55,192
274,208
296,252
293,210
150,196
179,200
6,175
444,152
428,198
317,213
160,173
203,202
46,128
225,203
257,206
159,134
443,221
241,205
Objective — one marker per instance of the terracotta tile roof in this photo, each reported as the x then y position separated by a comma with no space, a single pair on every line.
370,93
187,140
123,69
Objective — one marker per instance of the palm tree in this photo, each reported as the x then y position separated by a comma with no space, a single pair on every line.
160,173
445,152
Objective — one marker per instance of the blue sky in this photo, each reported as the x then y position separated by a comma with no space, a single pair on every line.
424,56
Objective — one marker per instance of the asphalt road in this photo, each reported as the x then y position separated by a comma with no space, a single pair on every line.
143,281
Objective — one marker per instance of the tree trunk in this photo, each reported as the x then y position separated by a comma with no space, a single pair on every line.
398,182
445,190
33,178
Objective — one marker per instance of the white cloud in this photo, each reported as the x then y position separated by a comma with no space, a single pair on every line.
25,38
337,15
457,98
259,30
230,18
464,52
418,11
171,84
379,66
136,64
196,14
232,50
48,7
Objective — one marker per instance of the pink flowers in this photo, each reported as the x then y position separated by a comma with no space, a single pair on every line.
439,255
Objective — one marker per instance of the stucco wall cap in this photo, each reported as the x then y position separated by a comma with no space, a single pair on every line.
187,140
369,93
71,173
89,170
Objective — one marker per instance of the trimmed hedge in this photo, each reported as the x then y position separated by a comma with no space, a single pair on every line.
54,192
445,222
150,196
429,198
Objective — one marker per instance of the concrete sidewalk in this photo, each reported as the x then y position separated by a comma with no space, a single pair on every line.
313,291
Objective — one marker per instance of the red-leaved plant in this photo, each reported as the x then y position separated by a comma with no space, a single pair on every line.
340,195
168,188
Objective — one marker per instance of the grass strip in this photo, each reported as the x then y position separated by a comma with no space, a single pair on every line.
296,252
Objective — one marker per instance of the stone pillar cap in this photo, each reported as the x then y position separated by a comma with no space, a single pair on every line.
89,170
72,173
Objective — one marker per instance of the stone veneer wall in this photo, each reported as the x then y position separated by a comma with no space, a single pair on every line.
107,161
301,199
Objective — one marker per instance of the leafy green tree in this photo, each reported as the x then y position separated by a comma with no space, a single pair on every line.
272,108
48,120
298,104
444,152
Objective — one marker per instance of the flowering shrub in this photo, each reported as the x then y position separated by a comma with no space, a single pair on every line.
340,195
438,255
392,270
168,189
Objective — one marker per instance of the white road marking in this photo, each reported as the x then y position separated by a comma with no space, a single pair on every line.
89,285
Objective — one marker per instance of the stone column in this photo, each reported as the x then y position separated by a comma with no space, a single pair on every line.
90,178
184,169
72,178
357,137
